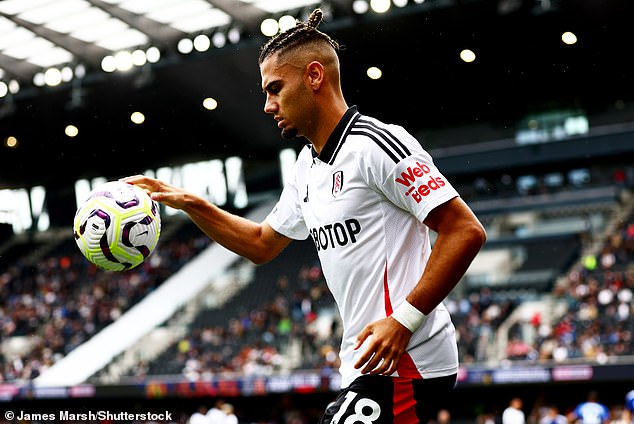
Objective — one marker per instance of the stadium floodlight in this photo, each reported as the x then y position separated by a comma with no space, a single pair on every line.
380,6
219,39
139,58
153,54
286,22
360,7
108,64
467,55
14,86
202,43
234,35
52,77
374,73
185,46
123,60
269,27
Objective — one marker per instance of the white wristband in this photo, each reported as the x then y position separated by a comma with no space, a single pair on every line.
409,316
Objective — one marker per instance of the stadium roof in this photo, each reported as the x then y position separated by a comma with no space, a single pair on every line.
63,62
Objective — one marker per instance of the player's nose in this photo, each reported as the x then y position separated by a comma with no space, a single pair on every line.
270,106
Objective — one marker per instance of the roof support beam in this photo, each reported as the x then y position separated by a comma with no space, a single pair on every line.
88,53
157,32
243,13
18,69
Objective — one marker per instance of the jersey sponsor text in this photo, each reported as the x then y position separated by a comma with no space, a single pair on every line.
409,179
337,234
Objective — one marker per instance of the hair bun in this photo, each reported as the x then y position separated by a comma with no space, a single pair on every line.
315,18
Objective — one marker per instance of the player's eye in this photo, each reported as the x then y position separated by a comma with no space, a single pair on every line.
273,88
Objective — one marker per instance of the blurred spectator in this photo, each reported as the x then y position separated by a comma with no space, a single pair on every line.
629,405
200,416
442,417
216,415
230,416
590,411
513,414
553,416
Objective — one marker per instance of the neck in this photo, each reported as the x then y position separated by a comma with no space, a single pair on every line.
326,123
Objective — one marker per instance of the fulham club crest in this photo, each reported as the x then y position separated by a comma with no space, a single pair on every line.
337,183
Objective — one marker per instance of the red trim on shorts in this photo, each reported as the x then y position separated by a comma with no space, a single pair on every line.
404,403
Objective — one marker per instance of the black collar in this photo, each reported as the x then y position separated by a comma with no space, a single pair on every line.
336,137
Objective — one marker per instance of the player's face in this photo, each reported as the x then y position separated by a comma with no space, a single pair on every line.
286,96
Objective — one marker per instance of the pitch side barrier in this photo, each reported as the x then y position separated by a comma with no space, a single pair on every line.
152,311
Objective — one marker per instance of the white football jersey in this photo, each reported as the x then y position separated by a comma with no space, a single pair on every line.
363,200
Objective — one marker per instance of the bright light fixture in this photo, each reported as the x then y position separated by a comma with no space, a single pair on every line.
202,42
137,118
210,103
269,27
52,77
185,46
467,55
569,38
380,6
71,130
360,7
374,73
286,22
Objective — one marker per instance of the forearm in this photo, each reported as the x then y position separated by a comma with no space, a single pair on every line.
257,242
450,258
234,232
460,238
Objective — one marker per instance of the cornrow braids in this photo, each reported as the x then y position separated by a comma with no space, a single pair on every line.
301,33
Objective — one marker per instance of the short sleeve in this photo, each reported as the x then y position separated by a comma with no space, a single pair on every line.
286,217
411,181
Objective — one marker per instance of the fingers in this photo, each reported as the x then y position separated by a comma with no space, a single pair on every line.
138,180
133,179
378,357
378,360
150,185
362,336
384,349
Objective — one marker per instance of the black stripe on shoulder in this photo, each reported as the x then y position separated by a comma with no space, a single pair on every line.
396,144
373,136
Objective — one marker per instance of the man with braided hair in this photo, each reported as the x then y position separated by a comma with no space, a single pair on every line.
368,195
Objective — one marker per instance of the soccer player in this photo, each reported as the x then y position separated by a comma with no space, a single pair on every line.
368,195
513,414
591,411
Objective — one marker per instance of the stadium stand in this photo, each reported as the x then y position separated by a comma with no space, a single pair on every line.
273,323
560,293
53,300
545,313
270,325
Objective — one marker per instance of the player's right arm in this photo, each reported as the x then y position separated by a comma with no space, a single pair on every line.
257,242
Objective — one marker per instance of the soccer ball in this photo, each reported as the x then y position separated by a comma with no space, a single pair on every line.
117,226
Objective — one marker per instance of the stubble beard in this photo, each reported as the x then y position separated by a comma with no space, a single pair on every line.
289,133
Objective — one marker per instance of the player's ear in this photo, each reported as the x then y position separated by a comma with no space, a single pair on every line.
314,74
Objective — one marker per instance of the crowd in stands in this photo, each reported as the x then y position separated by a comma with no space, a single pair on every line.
256,341
599,322
60,300
56,302
477,318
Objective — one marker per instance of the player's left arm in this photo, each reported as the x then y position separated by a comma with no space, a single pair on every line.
460,237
